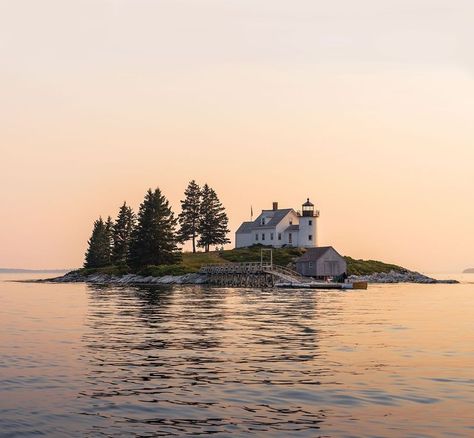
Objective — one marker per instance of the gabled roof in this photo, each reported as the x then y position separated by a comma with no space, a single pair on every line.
314,254
276,216
246,227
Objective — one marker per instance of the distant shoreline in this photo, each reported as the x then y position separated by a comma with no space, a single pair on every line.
32,271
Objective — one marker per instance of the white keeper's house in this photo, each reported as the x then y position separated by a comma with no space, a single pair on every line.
281,227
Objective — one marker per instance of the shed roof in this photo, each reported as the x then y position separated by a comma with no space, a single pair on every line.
314,254
292,228
246,227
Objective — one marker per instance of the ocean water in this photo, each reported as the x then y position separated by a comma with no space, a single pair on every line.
392,361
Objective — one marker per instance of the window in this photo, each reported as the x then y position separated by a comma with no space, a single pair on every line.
310,265
262,221
310,222
271,236
279,236
310,237
256,236
263,236
291,222
290,238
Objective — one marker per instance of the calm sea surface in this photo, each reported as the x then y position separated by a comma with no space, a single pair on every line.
392,361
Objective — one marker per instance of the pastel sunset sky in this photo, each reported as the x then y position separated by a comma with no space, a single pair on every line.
366,107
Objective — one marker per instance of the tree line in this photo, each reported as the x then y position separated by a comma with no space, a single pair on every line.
152,236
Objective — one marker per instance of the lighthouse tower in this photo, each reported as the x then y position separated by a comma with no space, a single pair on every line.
307,236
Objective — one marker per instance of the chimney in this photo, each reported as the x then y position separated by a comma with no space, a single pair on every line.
275,206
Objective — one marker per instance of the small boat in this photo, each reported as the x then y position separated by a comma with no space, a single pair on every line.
360,285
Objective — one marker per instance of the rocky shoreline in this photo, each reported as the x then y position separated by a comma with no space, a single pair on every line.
199,279
399,277
128,279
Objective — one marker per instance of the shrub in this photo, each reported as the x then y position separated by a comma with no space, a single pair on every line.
162,270
367,267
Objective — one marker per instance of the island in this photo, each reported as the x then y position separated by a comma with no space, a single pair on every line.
280,243
187,270
468,271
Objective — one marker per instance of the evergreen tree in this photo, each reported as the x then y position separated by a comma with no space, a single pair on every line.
190,214
109,228
213,221
122,234
154,239
98,252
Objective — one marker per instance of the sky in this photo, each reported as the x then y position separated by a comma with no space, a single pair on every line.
365,107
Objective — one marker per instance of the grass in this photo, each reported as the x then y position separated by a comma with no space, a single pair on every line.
191,263
367,267
281,256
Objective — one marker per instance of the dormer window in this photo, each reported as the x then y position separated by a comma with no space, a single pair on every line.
262,221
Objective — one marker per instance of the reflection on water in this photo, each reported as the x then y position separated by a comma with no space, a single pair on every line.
190,361
201,361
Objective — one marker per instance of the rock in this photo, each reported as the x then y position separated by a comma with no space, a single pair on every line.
129,279
167,279
132,279
399,277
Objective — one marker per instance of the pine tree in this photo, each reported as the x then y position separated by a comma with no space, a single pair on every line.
190,214
213,221
154,239
122,234
98,252
109,228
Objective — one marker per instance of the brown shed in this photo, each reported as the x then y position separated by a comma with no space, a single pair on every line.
321,262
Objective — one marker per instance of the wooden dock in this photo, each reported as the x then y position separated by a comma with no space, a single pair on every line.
262,275
251,274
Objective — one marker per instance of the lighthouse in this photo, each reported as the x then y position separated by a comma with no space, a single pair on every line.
280,227
307,236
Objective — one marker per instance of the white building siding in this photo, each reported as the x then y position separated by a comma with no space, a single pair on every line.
282,226
243,240
294,238
260,229
307,236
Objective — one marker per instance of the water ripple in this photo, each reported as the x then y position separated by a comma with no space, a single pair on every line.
192,361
